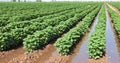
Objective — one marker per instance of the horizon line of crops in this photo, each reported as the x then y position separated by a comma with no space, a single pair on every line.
43,37
96,42
116,21
38,7
9,40
65,43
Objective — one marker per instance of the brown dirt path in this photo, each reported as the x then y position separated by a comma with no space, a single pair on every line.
58,58
114,8
6,56
37,56
101,60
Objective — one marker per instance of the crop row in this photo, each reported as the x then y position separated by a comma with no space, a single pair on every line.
41,8
96,43
116,4
41,11
22,18
65,43
43,22
16,36
43,37
116,20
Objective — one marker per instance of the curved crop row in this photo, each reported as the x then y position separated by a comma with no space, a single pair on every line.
65,43
40,38
17,35
96,43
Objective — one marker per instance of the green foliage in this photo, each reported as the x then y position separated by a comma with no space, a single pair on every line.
7,40
115,4
36,24
51,33
96,43
14,12
65,43
115,20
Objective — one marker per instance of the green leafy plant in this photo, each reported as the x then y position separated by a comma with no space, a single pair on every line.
96,43
115,20
64,44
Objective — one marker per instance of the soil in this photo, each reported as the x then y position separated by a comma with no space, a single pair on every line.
115,33
117,41
6,56
42,56
101,60
39,56
69,59
58,59
115,9
35,57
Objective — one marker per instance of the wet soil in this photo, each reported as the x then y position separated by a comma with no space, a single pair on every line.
34,57
66,58
112,24
101,60
47,55
82,55
112,51
58,58
38,56
76,56
6,56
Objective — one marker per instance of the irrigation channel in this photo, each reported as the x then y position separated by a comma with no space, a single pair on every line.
80,54
111,43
